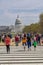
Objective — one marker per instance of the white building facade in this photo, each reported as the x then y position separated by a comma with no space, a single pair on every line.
18,25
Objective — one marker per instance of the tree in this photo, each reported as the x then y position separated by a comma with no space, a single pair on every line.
32,28
41,23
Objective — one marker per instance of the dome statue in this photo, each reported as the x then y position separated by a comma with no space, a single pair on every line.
18,25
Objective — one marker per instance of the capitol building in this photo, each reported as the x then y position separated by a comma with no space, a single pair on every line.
17,28
18,25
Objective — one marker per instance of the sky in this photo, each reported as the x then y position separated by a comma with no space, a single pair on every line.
28,11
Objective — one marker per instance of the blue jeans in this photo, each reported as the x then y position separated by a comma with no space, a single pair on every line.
29,44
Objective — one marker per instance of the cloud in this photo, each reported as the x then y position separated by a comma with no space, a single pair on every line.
29,11
14,10
1,12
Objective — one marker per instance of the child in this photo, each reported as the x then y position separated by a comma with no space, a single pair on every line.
24,40
34,44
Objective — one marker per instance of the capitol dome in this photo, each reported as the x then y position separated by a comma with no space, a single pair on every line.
18,21
18,25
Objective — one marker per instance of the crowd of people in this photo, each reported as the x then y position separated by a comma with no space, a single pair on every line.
28,40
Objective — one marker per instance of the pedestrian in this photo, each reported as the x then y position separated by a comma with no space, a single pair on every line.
16,40
24,40
35,44
0,38
29,43
7,43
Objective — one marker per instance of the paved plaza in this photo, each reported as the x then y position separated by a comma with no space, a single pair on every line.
18,56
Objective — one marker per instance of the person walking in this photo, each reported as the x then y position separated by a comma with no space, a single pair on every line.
16,40
29,43
7,43
35,44
24,40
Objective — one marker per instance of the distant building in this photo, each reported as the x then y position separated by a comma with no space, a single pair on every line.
18,25
4,29
17,28
12,27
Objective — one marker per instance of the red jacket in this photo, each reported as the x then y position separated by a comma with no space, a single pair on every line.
7,41
16,39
